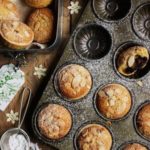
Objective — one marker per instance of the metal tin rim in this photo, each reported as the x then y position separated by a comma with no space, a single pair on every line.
115,57
104,117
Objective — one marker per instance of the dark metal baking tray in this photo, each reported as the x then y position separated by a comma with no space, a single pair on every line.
103,71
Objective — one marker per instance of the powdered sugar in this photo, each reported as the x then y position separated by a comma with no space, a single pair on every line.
18,142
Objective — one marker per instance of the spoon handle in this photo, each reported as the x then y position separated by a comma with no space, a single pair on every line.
21,117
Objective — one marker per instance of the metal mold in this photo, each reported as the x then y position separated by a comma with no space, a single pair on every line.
111,10
104,117
140,73
141,21
103,72
92,41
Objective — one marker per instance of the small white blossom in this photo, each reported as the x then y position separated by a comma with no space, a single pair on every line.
74,7
40,71
12,117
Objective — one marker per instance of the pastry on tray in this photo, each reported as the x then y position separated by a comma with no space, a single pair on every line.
8,11
132,60
41,21
11,80
54,121
38,3
114,101
143,121
134,146
15,34
94,137
74,81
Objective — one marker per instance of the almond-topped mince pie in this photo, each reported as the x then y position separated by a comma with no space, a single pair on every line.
38,3
8,11
113,101
132,61
41,21
143,121
74,81
94,137
54,121
15,34
134,146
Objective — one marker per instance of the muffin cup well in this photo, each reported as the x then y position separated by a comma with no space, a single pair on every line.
143,73
56,86
135,119
104,117
36,128
141,21
131,142
111,10
89,123
92,42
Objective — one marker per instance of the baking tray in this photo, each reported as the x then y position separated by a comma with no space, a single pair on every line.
102,68
57,7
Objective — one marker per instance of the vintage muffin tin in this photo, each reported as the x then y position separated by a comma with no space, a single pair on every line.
97,51
57,8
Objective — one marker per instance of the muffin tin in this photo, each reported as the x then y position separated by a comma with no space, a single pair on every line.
57,8
94,45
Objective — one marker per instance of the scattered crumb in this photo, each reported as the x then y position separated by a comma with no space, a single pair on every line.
109,123
140,83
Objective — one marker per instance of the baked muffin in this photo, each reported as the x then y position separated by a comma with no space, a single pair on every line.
38,3
132,60
94,137
134,146
8,11
114,101
54,121
74,81
16,34
143,121
41,21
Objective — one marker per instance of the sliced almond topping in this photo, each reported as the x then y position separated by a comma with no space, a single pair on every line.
76,81
131,61
140,83
110,93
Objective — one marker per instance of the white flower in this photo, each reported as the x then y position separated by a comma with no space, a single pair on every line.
40,71
12,116
74,7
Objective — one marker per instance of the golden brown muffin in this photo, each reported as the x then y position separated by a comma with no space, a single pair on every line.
38,3
114,101
54,121
16,34
143,121
8,11
94,137
41,21
135,146
74,81
132,60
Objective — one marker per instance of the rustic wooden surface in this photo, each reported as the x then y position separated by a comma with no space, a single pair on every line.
49,61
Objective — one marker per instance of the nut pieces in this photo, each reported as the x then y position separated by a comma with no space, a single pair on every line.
38,3
41,21
131,61
113,101
8,11
74,81
16,34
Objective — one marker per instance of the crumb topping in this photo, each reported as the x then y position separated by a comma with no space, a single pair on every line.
95,137
74,81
